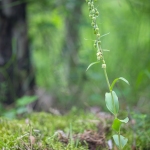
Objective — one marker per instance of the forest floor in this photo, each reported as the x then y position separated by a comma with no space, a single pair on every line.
76,130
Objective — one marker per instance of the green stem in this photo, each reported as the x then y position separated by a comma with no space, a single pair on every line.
106,76
108,83
120,147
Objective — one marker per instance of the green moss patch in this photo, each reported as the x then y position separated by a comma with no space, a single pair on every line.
50,132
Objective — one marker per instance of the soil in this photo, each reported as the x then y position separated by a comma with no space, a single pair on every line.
94,139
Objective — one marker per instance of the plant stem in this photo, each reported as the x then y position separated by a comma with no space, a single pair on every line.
119,140
106,76
108,83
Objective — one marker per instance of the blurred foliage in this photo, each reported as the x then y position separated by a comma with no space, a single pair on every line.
141,137
129,43
18,108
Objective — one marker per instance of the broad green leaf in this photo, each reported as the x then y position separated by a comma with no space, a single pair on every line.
114,82
92,64
21,110
112,102
117,123
123,141
25,100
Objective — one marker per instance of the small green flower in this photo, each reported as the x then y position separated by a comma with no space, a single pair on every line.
103,66
98,35
93,18
97,29
89,3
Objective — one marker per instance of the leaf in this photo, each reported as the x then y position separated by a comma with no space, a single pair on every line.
104,35
114,82
92,64
117,123
21,110
125,120
112,102
25,100
123,79
123,141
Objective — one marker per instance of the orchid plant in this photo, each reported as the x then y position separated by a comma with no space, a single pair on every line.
111,98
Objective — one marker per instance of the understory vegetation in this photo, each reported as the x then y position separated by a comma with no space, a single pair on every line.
73,131
126,30
48,101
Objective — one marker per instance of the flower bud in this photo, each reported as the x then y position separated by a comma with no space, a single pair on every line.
92,5
96,13
97,29
98,57
93,18
93,24
98,35
103,66
89,3
99,43
93,11
99,54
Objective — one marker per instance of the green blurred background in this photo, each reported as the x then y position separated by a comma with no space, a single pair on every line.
128,23
61,46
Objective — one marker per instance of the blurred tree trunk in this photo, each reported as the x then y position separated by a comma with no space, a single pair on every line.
72,46
16,78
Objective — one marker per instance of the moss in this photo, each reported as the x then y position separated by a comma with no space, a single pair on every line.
38,131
